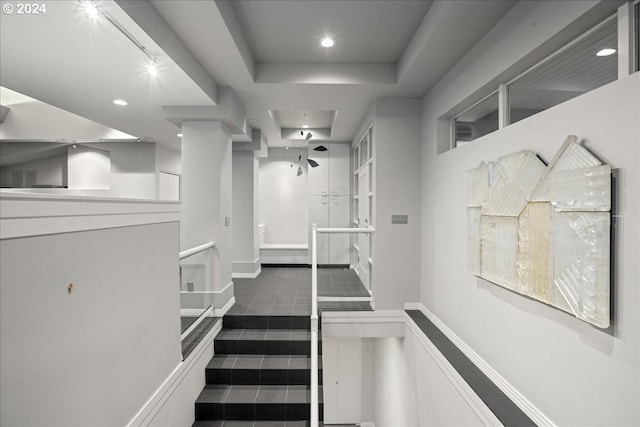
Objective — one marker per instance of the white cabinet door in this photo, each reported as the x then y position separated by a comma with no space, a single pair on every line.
339,244
318,182
339,169
319,214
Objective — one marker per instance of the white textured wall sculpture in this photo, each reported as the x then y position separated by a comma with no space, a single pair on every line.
544,231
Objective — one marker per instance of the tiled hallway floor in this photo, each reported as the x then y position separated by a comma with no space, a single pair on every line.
287,291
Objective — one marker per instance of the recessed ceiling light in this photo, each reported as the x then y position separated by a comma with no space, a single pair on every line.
91,10
606,52
120,102
152,69
179,135
327,42
305,126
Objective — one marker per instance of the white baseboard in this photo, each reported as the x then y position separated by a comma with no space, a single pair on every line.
247,275
190,312
165,392
367,424
522,402
219,312
246,270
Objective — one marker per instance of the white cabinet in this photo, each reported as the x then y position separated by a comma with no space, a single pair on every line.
319,176
339,169
339,244
319,214
328,189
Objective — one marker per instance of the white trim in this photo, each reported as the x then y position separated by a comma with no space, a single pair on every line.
219,312
474,401
254,267
165,392
33,214
371,324
195,250
521,401
344,299
285,246
191,327
367,424
191,312
223,290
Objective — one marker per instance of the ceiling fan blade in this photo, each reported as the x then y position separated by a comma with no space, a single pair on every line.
320,148
312,163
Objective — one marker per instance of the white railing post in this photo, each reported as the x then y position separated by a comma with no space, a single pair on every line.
314,327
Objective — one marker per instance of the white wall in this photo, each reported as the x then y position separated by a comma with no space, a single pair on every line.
206,198
246,250
283,197
95,356
168,159
396,135
88,168
590,376
394,399
133,169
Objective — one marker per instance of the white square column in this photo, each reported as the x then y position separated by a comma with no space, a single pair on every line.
206,199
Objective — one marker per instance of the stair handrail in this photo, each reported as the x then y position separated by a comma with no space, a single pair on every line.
195,250
314,310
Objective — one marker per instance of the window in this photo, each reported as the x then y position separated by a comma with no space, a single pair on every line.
476,121
584,65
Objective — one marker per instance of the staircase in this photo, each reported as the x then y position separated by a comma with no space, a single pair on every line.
260,373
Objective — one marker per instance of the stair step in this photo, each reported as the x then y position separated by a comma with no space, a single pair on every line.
255,402
236,321
260,369
264,424
264,341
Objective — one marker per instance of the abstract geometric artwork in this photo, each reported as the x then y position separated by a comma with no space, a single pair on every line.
544,231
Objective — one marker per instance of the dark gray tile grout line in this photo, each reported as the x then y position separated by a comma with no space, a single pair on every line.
503,408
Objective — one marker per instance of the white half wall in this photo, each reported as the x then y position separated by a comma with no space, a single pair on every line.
590,376
93,356
283,197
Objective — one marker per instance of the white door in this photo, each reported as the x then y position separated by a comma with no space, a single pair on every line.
364,220
319,214
339,217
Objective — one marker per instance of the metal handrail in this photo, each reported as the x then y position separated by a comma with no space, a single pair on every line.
314,310
195,250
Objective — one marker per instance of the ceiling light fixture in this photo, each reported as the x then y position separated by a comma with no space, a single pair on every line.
305,126
309,135
179,135
152,69
327,42
120,102
91,10
606,52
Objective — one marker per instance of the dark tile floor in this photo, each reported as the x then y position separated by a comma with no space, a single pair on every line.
287,291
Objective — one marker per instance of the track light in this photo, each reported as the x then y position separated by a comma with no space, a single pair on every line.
308,137
320,148
313,163
299,171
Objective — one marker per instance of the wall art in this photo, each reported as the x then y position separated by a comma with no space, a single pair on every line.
544,231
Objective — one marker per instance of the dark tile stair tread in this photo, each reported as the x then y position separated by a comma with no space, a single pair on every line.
265,335
264,362
263,424
256,394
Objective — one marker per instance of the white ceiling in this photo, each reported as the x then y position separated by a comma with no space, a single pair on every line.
267,51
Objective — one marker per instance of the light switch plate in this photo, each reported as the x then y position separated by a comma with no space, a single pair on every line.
399,219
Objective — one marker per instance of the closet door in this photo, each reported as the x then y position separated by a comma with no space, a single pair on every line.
339,169
318,182
319,214
339,244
